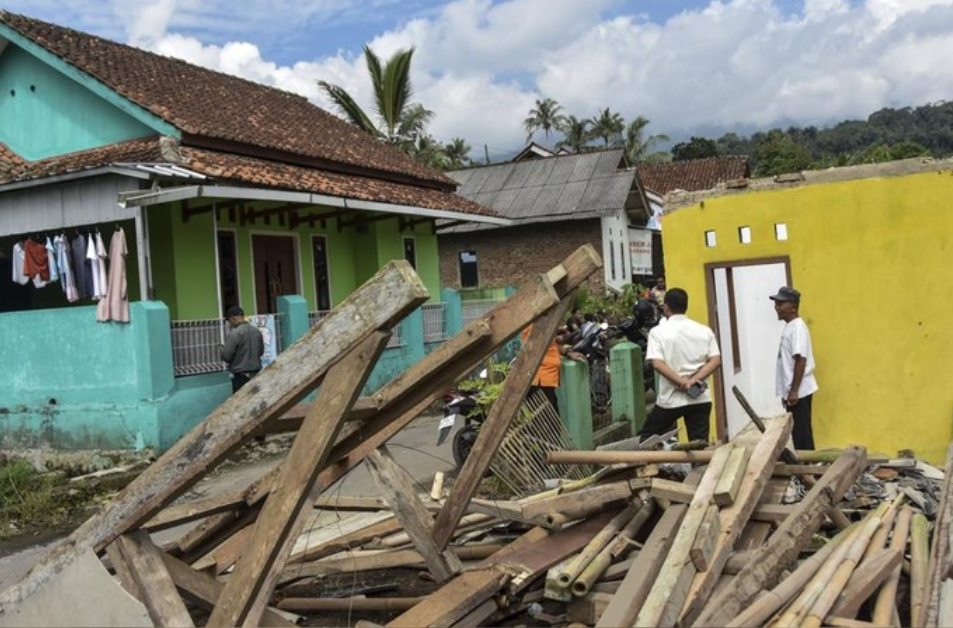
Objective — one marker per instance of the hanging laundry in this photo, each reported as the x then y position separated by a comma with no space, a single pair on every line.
115,305
36,264
92,266
84,278
101,265
51,261
64,262
19,257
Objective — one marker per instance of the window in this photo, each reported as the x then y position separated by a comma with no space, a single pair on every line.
410,252
469,275
781,231
744,235
322,275
228,269
711,240
612,258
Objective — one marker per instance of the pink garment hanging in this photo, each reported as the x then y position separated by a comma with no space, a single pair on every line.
114,306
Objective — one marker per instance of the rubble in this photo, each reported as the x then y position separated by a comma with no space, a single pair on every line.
744,533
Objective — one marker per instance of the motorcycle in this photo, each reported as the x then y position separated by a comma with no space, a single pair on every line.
460,404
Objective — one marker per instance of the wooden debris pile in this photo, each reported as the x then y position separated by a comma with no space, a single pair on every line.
719,539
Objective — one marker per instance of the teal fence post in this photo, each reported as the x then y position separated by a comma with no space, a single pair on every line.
412,333
575,406
155,372
628,389
452,311
294,318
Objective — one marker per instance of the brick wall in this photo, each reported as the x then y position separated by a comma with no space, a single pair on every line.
506,256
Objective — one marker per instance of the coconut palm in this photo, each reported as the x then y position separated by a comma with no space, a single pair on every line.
576,134
637,146
545,116
458,153
609,126
398,120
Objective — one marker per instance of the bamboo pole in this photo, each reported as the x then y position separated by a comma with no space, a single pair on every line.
886,605
799,609
919,572
574,567
594,570
759,611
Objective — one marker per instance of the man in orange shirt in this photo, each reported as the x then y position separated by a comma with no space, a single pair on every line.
547,376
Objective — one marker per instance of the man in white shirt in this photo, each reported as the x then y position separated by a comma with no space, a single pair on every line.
794,380
684,353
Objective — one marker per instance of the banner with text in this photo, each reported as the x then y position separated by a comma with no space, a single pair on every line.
640,247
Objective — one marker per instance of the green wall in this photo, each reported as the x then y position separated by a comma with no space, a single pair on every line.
48,114
184,265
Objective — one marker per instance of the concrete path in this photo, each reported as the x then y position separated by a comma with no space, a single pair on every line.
414,449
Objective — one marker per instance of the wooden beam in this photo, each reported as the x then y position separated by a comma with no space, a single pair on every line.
581,503
865,580
670,589
153,581
204,590
677,492
401,496
501,415
735,517
259,567
193,511
385,299
637,584
728,485
703,547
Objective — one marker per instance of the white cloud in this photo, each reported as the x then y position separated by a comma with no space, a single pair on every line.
480,64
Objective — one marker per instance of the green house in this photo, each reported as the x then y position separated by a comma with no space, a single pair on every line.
227,192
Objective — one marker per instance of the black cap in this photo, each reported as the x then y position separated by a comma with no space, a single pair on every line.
234,311
786,293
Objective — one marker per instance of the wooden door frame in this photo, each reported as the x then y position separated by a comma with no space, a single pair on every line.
296,242
721,409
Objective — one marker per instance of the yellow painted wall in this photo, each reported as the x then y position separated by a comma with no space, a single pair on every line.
873,259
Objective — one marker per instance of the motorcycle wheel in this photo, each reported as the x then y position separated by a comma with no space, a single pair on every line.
463,442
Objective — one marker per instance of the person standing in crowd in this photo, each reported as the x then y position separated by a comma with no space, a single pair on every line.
657,292
684,353
794,379
546,379
243,348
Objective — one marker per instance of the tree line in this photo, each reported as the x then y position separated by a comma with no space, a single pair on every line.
886,135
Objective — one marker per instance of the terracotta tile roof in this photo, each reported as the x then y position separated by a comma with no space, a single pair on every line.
692,175
239,170
216,110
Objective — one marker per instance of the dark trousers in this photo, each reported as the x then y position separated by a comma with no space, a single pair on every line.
803,433
240,379
550,394
661,420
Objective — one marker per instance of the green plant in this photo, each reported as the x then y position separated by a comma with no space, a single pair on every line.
27,497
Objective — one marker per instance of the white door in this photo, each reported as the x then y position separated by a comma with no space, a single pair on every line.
748,333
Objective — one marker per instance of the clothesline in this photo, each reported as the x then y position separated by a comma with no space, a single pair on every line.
80,266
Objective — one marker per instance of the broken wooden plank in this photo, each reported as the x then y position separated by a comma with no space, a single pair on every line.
919,566
940,547
730,480
178,514
677,492
581,503
670,588
703,547
348,537
628,600
204,590
259,567
401,496
152,579
380,303
505,408
735,517
784,546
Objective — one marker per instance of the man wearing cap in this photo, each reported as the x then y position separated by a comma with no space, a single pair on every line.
794,380
243,348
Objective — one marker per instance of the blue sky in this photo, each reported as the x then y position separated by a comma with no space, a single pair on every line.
690,66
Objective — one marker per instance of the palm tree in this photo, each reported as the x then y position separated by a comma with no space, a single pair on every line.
545,116
427,150
398,120
576,134
458,153
636,148
609,126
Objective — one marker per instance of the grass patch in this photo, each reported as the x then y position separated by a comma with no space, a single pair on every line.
27,498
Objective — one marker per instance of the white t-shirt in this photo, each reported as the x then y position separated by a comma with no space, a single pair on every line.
795,340
685,346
